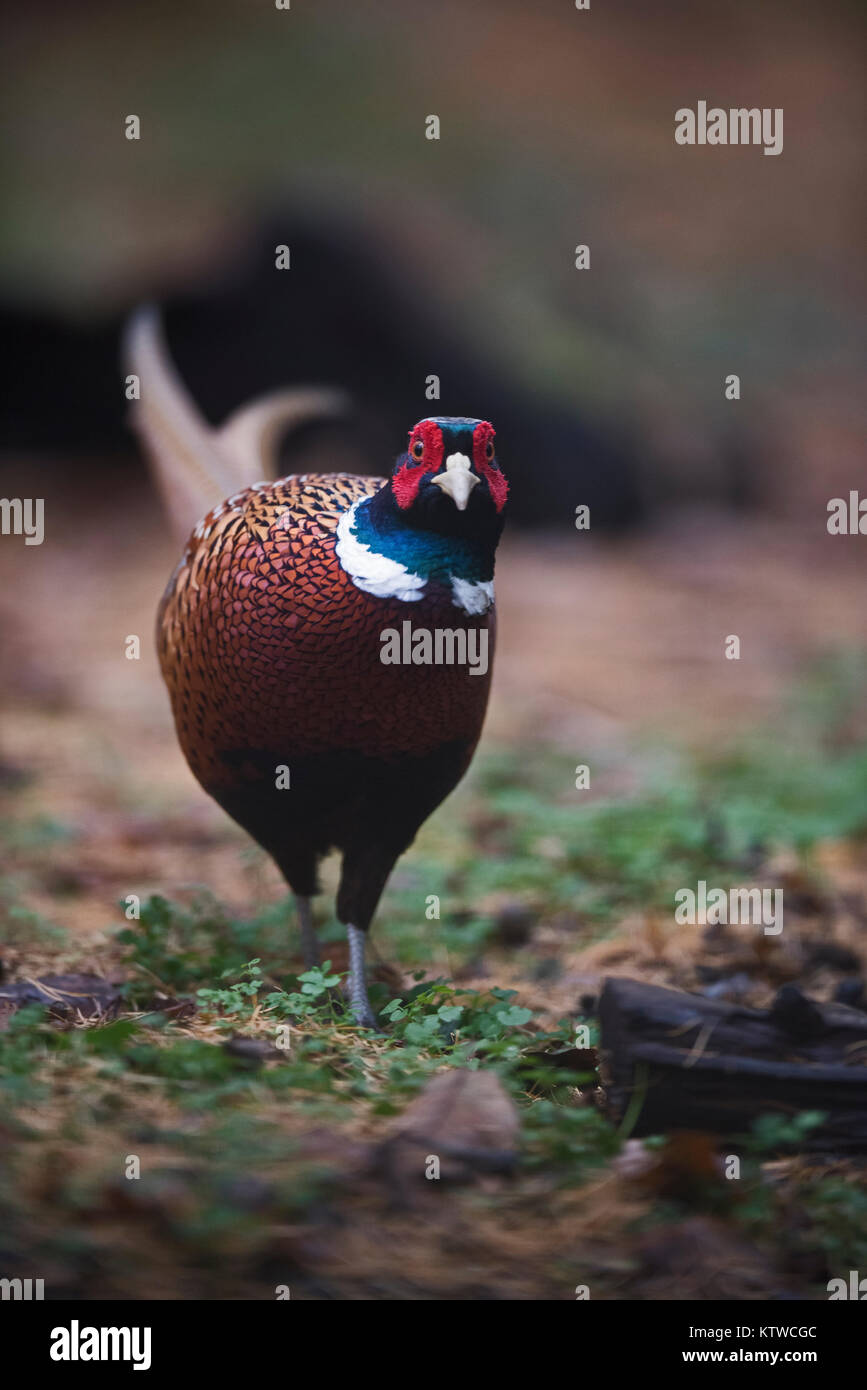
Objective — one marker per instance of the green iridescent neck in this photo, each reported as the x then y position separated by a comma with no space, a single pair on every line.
380,524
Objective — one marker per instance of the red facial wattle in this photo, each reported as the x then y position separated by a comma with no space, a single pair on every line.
406,481
483,437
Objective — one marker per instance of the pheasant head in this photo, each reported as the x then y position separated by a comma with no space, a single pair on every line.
437,521
450,465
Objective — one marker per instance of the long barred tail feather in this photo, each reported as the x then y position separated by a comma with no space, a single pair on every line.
196,466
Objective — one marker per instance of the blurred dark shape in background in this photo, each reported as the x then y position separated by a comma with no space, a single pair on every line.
340,316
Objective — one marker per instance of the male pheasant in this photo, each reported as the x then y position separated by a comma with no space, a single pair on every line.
273,637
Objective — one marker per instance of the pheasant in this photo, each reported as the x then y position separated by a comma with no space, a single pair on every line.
273,632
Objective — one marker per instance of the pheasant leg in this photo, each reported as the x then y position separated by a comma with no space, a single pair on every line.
358,1000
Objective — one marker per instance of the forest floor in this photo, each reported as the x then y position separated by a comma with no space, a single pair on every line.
266,1166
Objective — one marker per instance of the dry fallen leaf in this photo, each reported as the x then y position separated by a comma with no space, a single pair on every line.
462,1124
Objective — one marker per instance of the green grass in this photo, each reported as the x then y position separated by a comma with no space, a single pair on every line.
220,1165
222,1137
564,851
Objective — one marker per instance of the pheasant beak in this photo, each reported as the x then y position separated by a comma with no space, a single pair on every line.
458,480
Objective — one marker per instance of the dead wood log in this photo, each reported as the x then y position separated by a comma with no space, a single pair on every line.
673,1060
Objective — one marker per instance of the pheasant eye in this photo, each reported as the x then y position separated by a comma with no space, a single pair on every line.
417,450
489,450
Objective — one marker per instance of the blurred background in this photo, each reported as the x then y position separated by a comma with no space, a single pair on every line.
409,257
456,256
